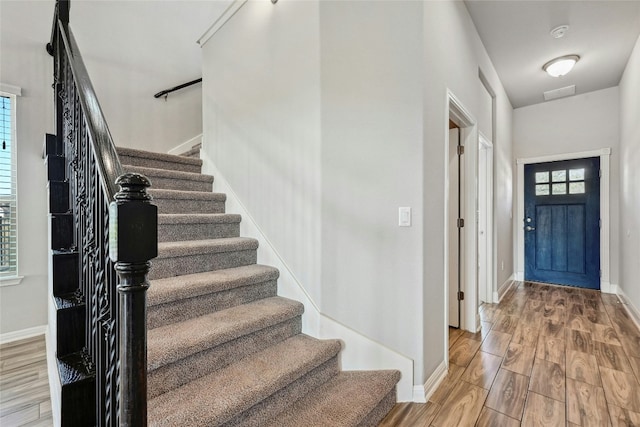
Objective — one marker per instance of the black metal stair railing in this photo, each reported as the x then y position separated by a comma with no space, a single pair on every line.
114,235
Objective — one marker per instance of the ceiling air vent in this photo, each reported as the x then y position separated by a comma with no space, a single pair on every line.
560,93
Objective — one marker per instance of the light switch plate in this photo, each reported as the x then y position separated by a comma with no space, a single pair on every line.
404,217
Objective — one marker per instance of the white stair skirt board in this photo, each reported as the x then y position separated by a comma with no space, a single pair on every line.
359,352
22,334
186,146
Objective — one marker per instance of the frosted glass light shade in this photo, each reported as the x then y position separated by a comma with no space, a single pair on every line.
560,66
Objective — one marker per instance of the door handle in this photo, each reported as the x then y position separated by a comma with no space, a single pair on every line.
529,228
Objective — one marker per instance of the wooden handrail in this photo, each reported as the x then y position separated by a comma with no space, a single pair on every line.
173,89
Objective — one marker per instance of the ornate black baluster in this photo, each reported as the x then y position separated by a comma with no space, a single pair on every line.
133,235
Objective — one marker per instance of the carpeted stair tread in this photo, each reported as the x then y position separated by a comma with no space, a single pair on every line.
343,401
194,247
176,341
198,218
222,347
149,155
165,173
169,289
223,394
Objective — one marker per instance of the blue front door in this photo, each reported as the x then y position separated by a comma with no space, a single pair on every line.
562,222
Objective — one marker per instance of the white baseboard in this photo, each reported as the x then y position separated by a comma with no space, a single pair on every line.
500,293
633,311
186,146
518,276
359,351
608,288
422,393
22,334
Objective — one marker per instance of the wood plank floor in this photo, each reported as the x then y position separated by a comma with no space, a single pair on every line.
24,384
546,356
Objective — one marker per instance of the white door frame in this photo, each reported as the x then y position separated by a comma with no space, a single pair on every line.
485,254
605,153
470,318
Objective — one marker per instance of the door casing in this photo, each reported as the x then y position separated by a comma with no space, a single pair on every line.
470,318
485,217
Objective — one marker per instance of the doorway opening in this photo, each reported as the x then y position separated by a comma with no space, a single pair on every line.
460,266
455,232
604,154
562,222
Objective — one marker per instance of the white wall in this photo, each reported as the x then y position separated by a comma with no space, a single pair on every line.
453,55
630,178
262,124
132,50
371,55
25,63
580,123
332,118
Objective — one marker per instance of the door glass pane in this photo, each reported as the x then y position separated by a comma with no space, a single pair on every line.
576,187
559,188
558,176
542,177
576,174
542,190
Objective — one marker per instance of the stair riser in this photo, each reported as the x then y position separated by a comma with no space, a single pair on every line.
178,266
380,411
279,401
188,369
182,232
181,206
178,311
180,184
158,164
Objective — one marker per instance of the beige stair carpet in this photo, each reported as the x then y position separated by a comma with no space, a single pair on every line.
223,347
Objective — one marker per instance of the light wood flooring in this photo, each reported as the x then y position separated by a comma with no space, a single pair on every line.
24,385
546,356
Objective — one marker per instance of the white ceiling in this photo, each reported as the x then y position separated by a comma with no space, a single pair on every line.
514,32
516,36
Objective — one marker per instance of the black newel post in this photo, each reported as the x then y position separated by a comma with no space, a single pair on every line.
133,241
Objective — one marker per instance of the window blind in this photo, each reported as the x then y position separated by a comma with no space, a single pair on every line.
8,189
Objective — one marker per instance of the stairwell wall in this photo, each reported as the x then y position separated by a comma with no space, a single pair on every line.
134,49
333,116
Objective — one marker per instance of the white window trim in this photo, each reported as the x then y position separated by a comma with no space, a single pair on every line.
13,92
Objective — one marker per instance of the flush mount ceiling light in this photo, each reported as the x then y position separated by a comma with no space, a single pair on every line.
560,66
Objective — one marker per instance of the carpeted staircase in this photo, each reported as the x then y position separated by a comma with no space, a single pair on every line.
223,348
